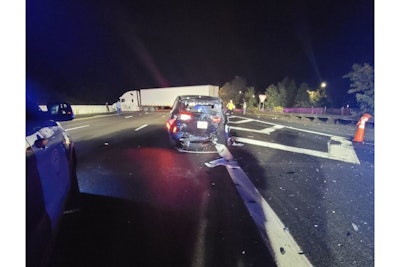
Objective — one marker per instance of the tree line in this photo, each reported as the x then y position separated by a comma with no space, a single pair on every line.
287,94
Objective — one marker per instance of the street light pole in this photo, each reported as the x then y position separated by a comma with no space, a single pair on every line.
323,93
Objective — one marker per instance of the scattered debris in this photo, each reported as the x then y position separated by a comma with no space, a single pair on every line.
237,144
71,211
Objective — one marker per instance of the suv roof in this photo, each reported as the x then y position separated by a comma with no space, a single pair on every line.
204,97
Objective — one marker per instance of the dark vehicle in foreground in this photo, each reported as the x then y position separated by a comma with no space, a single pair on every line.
197,123
51,180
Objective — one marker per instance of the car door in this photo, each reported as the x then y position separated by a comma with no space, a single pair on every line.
47,145
47,181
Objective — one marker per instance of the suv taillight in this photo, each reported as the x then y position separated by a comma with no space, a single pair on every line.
216,119
171,126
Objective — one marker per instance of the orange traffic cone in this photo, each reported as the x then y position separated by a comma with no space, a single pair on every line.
359,136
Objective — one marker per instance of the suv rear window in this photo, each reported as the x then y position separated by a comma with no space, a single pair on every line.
202,108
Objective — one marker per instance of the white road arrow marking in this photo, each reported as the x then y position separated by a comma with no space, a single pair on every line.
341,150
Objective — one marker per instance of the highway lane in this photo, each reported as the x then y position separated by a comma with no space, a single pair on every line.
144,204
319,184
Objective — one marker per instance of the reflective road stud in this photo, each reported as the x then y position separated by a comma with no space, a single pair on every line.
359,136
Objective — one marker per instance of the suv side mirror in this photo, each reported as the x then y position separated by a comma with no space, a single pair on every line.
60,111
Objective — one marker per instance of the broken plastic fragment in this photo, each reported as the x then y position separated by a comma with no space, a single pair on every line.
217,162
355,227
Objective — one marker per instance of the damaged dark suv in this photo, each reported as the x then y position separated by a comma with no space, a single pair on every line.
197,123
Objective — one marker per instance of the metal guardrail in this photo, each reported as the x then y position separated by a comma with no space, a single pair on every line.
318,118
332,111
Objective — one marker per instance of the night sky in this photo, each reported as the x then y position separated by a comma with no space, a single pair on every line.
92,51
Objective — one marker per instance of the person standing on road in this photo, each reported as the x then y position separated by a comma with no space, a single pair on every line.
244,107
118,106
230,106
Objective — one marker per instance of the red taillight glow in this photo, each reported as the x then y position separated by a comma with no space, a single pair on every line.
185,116
171,126
216,119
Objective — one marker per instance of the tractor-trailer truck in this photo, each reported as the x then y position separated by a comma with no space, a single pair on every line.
152,99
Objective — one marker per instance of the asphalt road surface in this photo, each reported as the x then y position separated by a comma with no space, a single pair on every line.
144,204
319,182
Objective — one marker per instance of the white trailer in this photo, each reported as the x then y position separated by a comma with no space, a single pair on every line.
151,99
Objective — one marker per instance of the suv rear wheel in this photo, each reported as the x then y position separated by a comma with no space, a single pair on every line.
74,200
222,134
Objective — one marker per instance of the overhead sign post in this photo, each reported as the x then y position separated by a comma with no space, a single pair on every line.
262,99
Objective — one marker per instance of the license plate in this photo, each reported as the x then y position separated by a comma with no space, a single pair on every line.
202,124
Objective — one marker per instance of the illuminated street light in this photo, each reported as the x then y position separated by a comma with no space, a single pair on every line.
323,84
262,99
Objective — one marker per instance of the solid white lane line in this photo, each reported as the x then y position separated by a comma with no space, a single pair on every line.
272,129
263,131
242,121
75,128
141,127
200,247
278,240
